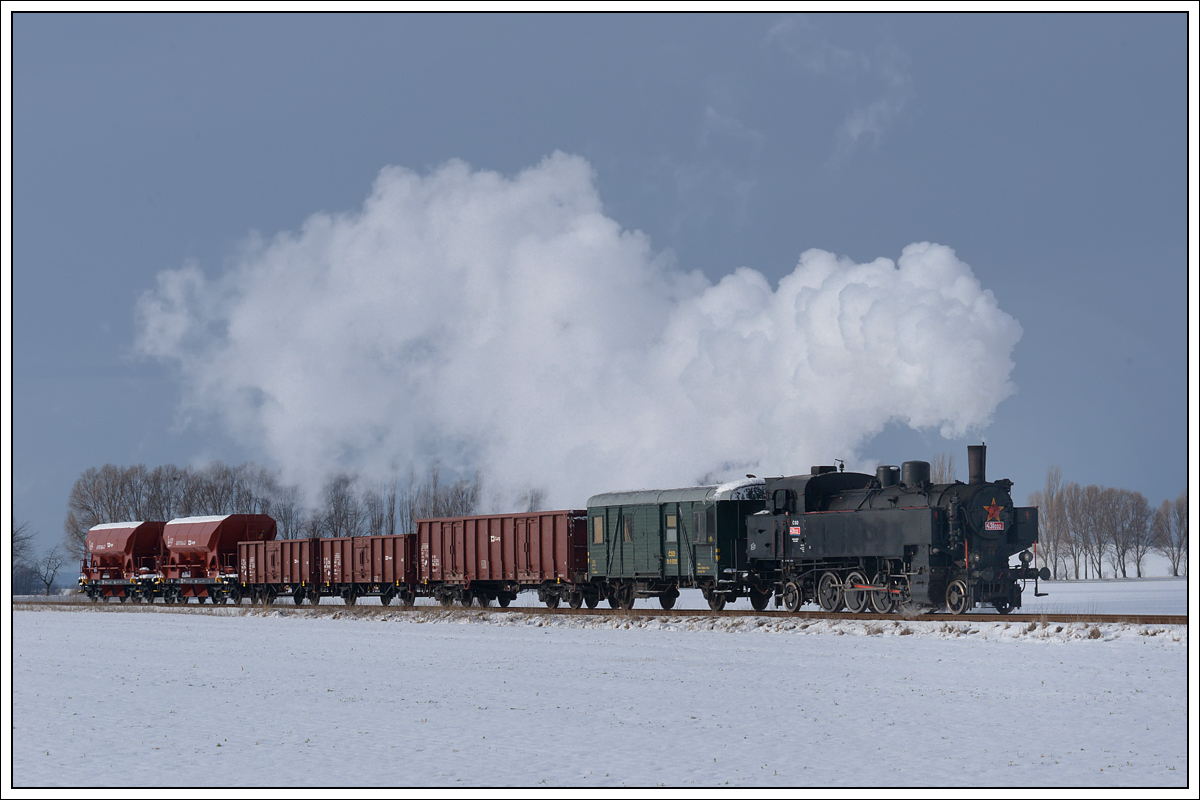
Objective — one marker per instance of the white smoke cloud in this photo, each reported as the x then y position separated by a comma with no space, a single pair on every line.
507,325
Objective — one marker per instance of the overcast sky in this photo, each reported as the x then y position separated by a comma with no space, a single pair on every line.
594,253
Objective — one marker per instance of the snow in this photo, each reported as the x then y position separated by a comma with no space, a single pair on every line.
448,698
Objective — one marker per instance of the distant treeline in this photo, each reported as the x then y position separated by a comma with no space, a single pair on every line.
348,506
1094,531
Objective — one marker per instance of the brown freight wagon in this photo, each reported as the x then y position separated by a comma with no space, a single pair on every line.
269,569
202,555
123,561
367,566
493,557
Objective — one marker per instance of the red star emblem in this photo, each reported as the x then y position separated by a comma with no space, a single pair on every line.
993,511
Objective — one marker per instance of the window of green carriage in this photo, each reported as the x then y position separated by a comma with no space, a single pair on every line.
598,530
672,529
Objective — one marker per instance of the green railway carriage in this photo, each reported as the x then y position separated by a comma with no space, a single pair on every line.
653,543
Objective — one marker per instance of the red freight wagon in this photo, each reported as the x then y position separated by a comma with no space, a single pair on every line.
123,560
378,566
202,554
493,557
267,569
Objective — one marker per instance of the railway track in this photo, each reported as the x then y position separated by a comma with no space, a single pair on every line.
368,611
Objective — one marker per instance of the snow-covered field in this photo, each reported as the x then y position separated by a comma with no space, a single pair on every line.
449,699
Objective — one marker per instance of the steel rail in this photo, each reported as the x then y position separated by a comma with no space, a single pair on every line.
281,605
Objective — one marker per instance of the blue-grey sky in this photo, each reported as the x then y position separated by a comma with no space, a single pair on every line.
1049,153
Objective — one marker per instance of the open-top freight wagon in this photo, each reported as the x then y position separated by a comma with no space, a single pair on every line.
491,558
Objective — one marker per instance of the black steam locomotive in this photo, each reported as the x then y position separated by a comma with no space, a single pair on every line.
877,542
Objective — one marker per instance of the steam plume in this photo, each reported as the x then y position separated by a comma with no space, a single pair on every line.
507,325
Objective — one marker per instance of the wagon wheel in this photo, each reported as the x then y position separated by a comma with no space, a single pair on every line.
122,598
386,598
667,601
856,598
715,601
958,598
465,599
759,600
298,596
350,598
407,598
314,597
793,598
829,592
168,597
504,600
627,598
200,598
551,601
484,600
269,597
575,600
1004,606
882,601
446,601
592,600
95,598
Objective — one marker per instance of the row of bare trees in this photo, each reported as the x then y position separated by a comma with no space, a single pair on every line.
1094,531
348,505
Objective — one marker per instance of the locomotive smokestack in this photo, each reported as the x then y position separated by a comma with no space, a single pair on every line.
977,462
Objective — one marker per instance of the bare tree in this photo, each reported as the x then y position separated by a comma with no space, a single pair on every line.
389,522
22,554
1073,532
341,511
86,507
1053,533
1181,522
1111,518
433,499
164,489
47,568
941,469
1139,533
372,502
532,500
1171,532
289,515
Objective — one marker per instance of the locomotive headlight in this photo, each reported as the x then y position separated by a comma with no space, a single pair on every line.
1026,557
975,558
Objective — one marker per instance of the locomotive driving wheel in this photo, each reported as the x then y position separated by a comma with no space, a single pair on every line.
792,597
881,599
856,597
958,597
829,592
